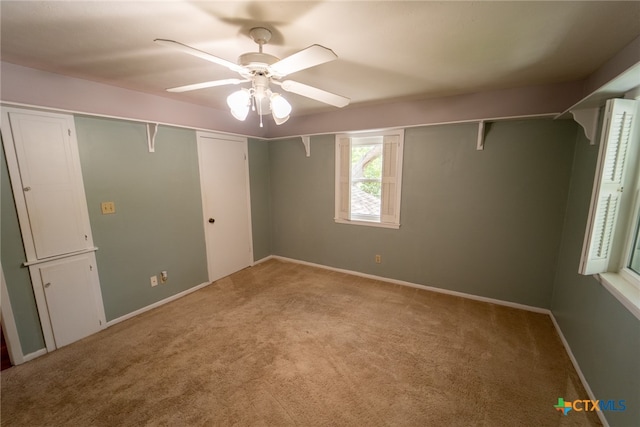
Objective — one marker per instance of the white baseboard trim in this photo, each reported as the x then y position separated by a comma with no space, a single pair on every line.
157,304
576,366
414,285
265,259
31,356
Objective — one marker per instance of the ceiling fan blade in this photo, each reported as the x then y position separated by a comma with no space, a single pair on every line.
205,85
306,58
200,54
315,93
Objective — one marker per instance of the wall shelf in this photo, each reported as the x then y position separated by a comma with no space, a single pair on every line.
306,141
152,131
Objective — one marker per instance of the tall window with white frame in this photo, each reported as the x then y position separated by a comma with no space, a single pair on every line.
634,261
611,247
369,178
631,254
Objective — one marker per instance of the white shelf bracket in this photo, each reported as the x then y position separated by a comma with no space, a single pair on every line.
480,144
152,130
588,119
306,141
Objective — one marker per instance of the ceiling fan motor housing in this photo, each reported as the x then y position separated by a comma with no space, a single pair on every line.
257,62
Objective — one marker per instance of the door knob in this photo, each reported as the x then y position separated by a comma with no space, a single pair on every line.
211,220
27,188
46,285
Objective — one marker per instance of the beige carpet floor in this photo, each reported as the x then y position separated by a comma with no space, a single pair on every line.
281,344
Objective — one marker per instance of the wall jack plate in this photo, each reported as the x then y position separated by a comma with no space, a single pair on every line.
108,208
154,280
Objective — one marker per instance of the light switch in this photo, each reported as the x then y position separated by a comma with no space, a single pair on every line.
108,208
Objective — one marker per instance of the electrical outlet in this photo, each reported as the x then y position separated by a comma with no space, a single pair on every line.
108,208
164,276
154,280
378,259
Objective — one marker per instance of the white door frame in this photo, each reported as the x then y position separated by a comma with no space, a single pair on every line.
201,165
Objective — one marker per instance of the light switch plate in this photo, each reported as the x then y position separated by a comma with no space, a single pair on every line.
108,208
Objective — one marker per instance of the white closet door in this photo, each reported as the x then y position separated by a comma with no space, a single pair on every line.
224,180
51,182
46,177
73,307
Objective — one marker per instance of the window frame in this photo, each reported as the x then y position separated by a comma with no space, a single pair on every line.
633,229
340,217
632,232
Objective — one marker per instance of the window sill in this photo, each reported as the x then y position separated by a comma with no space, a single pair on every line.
368,223
624,290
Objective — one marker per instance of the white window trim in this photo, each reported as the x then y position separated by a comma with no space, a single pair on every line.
624,284
367,223
339,216
622,289
613,274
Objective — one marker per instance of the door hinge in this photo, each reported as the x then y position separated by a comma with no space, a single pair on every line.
69,132
86,237
91,268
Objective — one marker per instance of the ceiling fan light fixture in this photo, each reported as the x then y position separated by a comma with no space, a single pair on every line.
279,120
239,102
280,107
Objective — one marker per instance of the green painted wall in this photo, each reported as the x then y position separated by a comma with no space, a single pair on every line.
482,222
17,277
603,335
260,198
158,222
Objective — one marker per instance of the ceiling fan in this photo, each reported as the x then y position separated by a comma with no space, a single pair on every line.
261,69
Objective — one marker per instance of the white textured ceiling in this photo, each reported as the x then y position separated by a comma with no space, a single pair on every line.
388,50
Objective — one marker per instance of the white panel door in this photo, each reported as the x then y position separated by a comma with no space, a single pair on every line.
51,182
224,180
73,307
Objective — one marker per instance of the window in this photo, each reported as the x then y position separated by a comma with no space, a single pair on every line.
634,260
368,178
612,242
